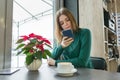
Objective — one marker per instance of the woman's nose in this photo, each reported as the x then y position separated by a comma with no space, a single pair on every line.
65,23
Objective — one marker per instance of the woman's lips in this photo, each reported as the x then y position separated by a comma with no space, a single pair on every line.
67,28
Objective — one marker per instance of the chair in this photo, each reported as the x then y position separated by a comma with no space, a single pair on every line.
99,63
118,69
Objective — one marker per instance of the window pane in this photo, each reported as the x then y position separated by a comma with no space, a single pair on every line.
27,19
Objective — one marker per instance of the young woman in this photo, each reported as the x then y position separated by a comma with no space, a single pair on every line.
75,50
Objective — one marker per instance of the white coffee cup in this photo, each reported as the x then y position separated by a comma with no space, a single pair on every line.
65,67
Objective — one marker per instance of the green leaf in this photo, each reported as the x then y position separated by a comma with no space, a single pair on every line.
19,46
33,40
26,50
40,42
19,41
44,55
38,55
29,59
47,52
48,45
19,52
30,45
28,54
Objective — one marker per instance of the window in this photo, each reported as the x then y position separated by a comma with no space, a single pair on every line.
31,16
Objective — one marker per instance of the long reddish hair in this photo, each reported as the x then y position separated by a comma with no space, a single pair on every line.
58,28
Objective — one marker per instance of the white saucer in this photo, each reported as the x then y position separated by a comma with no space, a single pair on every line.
67,73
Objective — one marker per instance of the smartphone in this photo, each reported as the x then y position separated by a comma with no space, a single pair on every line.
68,33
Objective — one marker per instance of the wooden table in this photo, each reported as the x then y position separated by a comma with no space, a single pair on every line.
49,73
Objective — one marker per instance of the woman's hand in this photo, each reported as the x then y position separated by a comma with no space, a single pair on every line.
51,62
66,42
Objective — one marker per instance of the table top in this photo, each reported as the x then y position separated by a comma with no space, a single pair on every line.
49,73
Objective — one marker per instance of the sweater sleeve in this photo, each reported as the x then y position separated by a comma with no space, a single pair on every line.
57,51
84,53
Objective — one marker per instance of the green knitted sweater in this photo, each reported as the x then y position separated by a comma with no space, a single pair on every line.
78,53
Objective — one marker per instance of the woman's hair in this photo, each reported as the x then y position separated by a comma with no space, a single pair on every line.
58,28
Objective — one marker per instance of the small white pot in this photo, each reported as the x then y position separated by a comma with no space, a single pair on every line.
35,65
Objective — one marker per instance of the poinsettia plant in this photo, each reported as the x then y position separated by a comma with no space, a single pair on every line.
32,46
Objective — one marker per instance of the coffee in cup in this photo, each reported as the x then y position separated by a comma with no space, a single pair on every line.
65,67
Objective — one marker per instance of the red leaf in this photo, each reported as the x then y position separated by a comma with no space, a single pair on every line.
38,37
32,35
47,41
25,37
31,51
40,46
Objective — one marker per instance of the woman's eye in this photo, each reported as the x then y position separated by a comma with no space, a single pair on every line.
67,19
61,23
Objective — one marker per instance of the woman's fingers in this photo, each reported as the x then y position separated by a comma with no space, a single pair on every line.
51,61
66,41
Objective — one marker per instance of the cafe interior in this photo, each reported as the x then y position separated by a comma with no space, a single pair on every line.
101,17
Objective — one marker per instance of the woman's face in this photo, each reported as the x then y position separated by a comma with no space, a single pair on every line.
65,22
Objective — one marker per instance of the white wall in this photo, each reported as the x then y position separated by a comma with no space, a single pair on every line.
91,17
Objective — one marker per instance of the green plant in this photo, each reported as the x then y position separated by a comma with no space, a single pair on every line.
33,47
